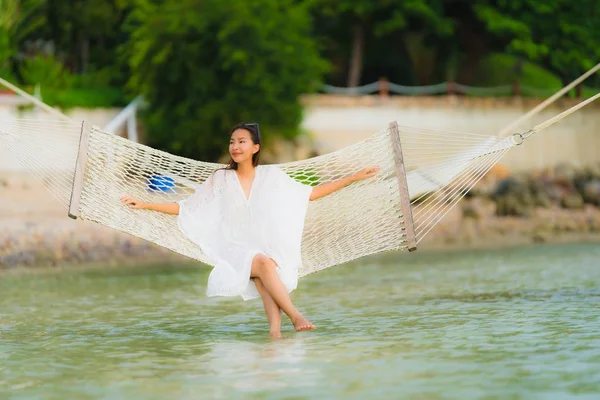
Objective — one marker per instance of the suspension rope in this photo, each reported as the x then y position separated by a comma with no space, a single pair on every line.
548,101
555,119
35,100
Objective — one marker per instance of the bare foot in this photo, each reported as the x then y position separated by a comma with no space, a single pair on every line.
302,324
276,334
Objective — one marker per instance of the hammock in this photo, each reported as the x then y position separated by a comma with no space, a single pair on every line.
424,173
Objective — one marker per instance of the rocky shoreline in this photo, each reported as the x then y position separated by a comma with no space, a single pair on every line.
553,206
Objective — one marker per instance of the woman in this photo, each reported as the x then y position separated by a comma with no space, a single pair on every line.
248,219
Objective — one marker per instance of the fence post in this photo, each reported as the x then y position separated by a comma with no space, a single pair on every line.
450,88
384,87
516,89
578,90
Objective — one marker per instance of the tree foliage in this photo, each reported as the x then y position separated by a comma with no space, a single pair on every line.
204,65
18,19
562,35
85,32
202,71
353,29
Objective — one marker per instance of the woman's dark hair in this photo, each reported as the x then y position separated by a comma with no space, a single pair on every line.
254,130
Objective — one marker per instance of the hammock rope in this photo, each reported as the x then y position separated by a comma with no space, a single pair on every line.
534,111
424,174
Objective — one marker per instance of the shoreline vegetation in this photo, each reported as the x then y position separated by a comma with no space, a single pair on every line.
556,205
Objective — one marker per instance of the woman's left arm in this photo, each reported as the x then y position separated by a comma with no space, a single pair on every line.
328,188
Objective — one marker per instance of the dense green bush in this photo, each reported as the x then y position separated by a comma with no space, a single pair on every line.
202,72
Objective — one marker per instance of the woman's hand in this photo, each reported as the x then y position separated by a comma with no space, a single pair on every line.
365,173
133,203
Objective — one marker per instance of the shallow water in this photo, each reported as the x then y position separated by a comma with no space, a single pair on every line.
510,324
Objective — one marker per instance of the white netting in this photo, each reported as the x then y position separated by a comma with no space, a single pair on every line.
363,218
442,167
48,149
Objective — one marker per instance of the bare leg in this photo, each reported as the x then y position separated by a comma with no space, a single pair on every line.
271,309
264,268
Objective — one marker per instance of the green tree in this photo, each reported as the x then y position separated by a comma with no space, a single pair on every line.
562,35
348,25
18,19
204,65
85,33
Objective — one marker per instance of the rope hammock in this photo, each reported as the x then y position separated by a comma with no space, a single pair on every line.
424,173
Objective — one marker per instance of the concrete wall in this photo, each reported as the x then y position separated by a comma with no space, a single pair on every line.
336,122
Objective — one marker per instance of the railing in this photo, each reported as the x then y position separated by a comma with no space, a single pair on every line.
127,117
384,88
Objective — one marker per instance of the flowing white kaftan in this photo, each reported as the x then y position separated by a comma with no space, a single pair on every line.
231,229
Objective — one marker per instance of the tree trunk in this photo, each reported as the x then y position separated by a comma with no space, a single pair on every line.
565,81
84,44
475,44
422,57
469,67
356,58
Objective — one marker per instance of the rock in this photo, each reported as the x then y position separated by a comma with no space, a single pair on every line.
511,205
539,236
572,201
543,200
594,222
508,186
514,197
555,193
564,174
580,181
469,211
593,172
527,199
591,192
541,192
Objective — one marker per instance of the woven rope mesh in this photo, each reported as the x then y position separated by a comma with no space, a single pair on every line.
442,167
338,228
358,220
48,149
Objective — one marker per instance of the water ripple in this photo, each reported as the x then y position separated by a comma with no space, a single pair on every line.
516,324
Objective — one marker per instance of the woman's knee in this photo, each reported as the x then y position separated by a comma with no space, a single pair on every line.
262,264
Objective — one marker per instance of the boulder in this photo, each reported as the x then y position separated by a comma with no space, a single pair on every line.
590,192
564,174
572,201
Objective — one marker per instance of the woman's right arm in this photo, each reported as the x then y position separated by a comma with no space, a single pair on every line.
167,208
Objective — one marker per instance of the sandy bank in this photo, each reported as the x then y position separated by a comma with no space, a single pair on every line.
35,231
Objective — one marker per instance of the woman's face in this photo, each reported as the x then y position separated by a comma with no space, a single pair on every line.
241,147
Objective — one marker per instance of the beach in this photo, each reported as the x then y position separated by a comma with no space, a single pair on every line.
36,231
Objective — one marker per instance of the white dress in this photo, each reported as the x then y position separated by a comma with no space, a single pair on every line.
231,229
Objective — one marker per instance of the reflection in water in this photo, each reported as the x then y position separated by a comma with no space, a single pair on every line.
250,366
509,324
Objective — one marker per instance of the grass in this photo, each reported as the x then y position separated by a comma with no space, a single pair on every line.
498,69
102,97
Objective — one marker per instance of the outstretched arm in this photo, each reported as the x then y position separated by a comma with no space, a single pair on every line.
328,188
167,208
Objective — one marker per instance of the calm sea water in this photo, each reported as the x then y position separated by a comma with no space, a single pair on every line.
510,324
